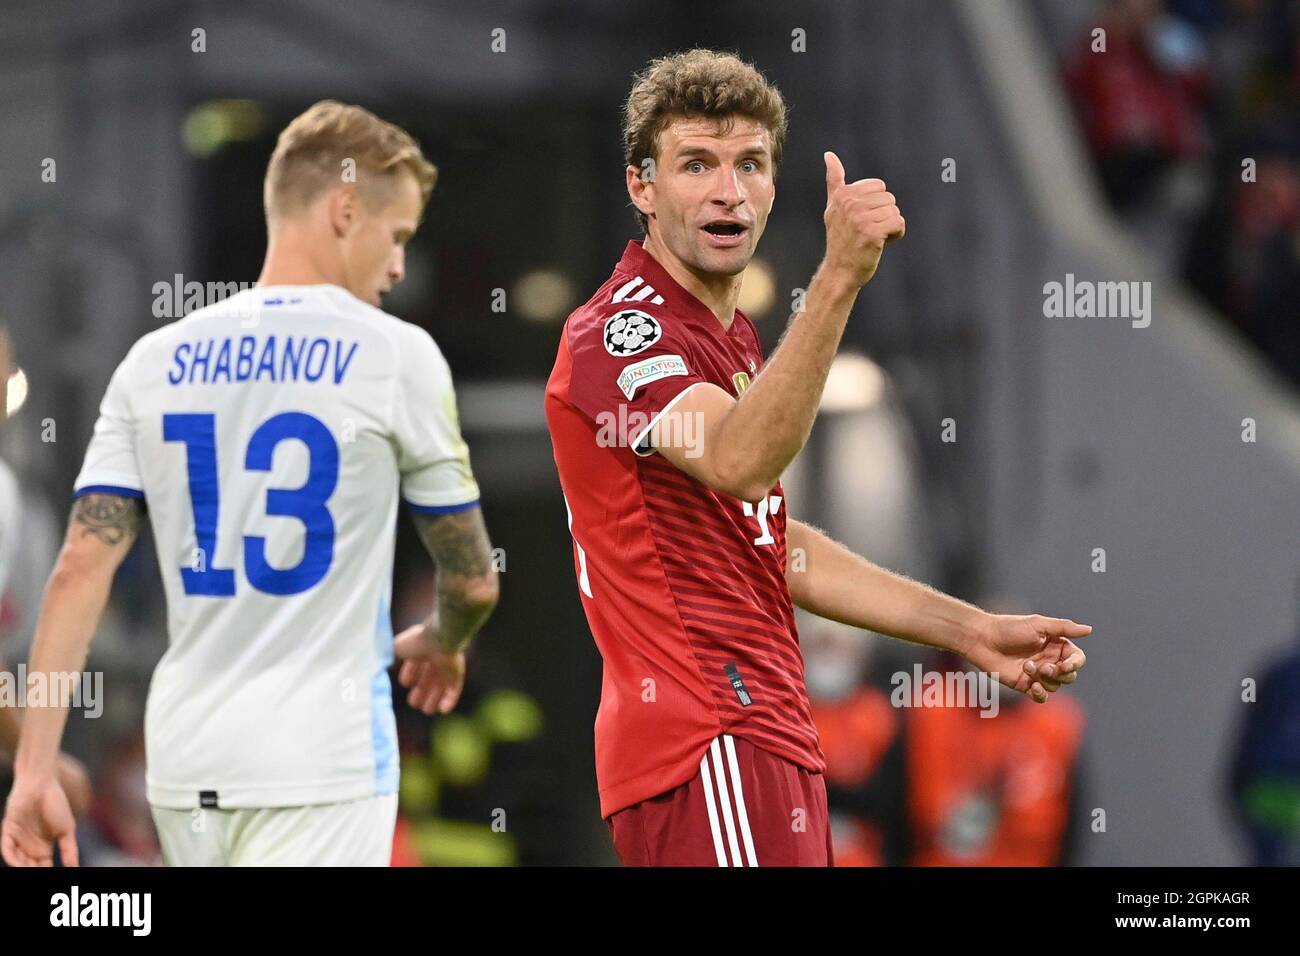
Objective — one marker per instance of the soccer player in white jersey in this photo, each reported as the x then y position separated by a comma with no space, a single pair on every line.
270,436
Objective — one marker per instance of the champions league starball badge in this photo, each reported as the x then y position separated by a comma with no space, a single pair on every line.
631,331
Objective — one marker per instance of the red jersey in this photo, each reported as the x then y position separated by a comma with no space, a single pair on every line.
684,587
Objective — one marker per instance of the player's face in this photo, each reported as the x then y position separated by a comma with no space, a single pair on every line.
712,192
375,251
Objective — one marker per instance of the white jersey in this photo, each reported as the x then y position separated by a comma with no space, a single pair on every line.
268,435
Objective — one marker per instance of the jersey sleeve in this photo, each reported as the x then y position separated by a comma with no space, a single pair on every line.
110,465
629,368
432,457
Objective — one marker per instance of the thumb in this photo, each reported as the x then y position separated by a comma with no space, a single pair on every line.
834,173
409,643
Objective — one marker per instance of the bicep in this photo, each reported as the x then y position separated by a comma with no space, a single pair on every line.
684,432
101,530
797,538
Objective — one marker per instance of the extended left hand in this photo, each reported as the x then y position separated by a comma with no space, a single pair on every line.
1030,653
433,676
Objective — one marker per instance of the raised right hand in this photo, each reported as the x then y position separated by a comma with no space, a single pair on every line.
861,218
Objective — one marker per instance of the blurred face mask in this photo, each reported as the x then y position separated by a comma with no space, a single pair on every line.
830,676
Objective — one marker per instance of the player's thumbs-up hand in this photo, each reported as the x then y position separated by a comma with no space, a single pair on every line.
861,217
834,174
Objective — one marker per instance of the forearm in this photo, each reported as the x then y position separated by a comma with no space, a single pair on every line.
74,602
761,434
463,608
837,584
467,588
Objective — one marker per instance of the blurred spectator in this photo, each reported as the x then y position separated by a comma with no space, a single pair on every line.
124,827
1141,99
1245,256
1193,86
1264,780
938,785
994,791
861,738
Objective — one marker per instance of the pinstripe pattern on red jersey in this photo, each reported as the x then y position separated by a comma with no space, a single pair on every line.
734,606
688,601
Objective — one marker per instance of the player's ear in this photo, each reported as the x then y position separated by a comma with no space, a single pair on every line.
344,208
640,189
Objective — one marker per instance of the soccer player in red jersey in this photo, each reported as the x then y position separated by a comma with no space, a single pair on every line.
670,434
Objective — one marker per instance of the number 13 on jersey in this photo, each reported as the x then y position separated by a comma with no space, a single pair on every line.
308,503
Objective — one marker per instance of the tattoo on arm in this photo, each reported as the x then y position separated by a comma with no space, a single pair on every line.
112,519
459,546
458,543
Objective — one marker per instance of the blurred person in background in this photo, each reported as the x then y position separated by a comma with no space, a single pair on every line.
1250,268
70,772
1001,790
124,832
1142,105
1184,94
861,736
939,785
278,588
1264,777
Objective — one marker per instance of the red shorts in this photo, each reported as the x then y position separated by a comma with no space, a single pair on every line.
745,807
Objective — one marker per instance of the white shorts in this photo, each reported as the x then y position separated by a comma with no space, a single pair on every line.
358,833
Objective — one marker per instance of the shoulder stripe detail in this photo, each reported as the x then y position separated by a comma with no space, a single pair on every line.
625,289
625,292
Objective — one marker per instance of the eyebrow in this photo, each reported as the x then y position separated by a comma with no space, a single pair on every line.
691,152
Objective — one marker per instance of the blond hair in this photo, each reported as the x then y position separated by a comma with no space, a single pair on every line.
698,83
313,154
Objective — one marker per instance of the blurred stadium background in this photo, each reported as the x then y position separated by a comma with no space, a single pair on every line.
1019,154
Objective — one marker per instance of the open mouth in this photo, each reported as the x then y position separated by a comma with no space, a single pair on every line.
725,233
725,229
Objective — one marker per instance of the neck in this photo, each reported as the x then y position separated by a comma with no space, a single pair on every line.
719,293
292,260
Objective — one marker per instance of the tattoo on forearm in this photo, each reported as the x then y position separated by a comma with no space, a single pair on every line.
111,518
458,543
460,549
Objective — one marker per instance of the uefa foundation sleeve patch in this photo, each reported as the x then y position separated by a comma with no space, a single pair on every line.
650,370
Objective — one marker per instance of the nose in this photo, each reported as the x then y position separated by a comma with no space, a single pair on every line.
397,265
727,190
